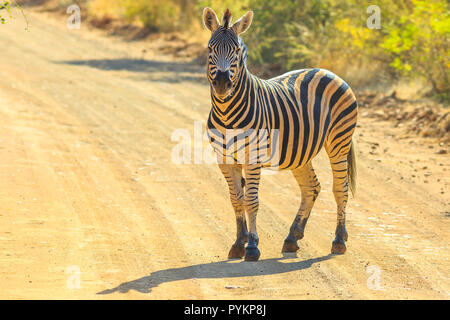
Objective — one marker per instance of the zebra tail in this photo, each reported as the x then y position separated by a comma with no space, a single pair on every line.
351,169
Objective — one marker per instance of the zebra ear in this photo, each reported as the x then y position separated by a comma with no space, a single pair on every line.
243,23
210,19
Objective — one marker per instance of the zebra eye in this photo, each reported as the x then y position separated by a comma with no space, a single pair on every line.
238,49
209,49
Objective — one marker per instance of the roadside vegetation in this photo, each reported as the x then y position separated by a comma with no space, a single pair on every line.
4,7
411,45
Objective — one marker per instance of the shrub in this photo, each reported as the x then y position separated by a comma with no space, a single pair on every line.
154,15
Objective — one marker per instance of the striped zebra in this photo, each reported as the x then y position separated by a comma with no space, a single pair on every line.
280,123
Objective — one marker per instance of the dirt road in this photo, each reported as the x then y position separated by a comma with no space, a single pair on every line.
92,206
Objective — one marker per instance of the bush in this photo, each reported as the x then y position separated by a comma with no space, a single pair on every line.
154,15
413,42
417,44
288,34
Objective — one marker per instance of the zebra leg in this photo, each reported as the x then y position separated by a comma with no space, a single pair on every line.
310,188
233,176
251,203
340,190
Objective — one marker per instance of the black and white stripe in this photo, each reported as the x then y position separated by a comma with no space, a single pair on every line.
281,123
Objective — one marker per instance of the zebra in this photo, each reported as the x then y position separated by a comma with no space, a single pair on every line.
300,112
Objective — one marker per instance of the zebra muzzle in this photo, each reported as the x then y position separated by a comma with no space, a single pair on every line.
222,83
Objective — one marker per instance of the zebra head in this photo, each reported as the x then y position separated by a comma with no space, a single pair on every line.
225,54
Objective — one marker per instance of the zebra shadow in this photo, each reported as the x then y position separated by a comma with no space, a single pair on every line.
153,70
215,270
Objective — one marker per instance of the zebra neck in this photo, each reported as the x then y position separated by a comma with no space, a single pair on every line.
231,112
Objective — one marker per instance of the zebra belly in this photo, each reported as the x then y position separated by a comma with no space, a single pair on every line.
251,146
270,148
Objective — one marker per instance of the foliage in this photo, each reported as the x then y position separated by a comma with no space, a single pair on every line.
237,8
154,15
4,5
412,43
417,44
112,9
288,34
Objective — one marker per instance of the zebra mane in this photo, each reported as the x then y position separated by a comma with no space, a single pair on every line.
244,50
226,20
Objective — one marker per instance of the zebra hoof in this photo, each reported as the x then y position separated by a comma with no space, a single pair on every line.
338,247
252,254
236,252
290,246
